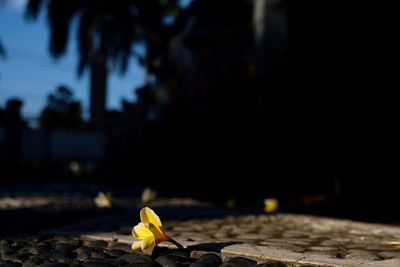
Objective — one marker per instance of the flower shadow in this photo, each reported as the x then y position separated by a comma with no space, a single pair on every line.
203,247
212,246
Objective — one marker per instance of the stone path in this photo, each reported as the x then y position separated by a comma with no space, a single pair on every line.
291,239
49,251
212,237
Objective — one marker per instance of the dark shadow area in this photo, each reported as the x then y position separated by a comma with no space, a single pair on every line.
212,247
241,99
28,221
215,247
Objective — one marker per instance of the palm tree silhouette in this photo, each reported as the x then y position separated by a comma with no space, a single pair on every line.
106,32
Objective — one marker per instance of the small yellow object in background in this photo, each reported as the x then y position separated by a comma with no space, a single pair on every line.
148,195
392,243
270,205
150,232
103,200
231,203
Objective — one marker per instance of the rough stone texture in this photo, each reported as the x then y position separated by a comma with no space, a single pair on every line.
208,260
239,262
295,240
238,240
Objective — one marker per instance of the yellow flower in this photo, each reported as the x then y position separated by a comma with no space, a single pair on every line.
392,243
270,204
103,200
148,195
149,232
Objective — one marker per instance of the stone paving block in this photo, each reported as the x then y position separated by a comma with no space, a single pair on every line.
269,240
295,240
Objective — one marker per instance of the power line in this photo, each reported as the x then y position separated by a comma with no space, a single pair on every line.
15,58
44,66
27,53
33,56
28,80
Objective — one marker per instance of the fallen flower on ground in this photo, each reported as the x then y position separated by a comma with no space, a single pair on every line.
270,204
150,232
148,195
103,200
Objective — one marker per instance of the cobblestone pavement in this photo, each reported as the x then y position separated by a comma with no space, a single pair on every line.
237,240
72,251
294,240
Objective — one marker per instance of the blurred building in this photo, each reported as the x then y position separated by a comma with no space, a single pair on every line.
27,152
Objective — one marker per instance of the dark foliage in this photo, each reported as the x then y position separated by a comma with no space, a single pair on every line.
61,111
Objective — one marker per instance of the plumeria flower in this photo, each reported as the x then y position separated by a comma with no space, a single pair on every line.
270,204
148,195
103,200
150,232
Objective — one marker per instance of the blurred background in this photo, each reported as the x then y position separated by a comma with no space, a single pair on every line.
214,100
